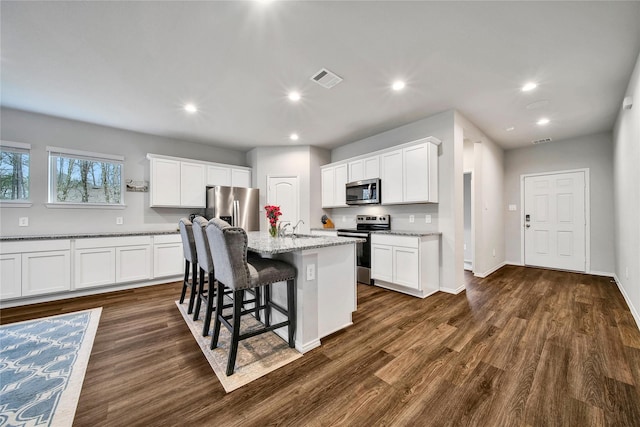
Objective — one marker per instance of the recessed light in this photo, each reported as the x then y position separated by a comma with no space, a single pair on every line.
190,108
510,128
398,85
543,121
294,96
294,137
529,86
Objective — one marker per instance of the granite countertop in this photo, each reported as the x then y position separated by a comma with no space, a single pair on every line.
415,233
85,235
263,243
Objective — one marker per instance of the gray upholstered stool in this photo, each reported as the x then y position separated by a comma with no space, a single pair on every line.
190,260
206,267
234,270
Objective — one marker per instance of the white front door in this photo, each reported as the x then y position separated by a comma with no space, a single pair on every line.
283,191
554,221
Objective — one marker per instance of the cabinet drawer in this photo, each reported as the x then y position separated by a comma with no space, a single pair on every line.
112,242
35,246
167,238
391,240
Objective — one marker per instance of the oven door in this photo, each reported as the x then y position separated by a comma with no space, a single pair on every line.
363,254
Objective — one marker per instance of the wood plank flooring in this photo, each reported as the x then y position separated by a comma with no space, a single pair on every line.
523,347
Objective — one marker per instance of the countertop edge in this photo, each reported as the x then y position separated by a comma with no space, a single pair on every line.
86,235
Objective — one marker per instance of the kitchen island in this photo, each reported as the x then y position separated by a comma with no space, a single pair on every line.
325,285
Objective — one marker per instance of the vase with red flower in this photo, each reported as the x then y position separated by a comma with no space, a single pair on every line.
273,213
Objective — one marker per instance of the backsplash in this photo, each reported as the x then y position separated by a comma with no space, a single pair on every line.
400,216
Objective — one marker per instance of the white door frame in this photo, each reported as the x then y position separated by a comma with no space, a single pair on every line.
587,212
473,221
297,177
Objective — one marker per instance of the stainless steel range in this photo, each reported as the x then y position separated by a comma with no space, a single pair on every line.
365,224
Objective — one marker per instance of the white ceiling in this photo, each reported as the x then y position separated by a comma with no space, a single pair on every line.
133,65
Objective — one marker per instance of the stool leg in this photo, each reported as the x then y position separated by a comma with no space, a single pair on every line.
258,302
218,313
210,296
267,305
194,286
291,311
185,282
196,311
235,335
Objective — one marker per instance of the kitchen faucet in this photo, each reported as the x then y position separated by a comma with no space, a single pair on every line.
282,228
295,227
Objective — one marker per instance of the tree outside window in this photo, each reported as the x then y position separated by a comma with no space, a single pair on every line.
14,173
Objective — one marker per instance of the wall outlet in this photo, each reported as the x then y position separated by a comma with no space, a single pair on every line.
23,221
494,252
412,218
344,218
427,219
465,246
311,272
119,220
513,207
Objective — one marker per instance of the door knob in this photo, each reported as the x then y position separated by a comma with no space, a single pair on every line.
527,225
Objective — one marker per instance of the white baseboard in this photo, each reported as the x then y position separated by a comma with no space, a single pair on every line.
634,311
516,263
602,273
488,272
454,291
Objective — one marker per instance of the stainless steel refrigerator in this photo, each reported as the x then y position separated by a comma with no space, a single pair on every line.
238,206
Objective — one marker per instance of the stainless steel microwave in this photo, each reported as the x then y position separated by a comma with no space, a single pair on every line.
363,192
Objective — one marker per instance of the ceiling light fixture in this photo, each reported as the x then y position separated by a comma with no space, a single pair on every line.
543,121
510,128
529,86
398,85
294,137
190,108
294,96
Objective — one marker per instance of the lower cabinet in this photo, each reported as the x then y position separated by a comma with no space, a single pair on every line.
10,276
94,267
168,256
406,263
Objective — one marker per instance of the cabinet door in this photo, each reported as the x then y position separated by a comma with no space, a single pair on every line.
328,185
46,272
10,276
371,167
192,185
382,262
406,267
218,175
165,182
133,263
241,178
168,259
416,173
94,267
391,177
340,194
356,170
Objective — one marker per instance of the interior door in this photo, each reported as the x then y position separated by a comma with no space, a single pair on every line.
283,191
554,221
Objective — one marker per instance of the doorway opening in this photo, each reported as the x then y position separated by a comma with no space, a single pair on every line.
468,222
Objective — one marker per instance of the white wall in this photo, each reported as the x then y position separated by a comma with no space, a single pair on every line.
301,161
591,151
447,215
626,200
41,131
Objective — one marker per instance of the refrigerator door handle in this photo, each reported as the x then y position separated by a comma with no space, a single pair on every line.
236,213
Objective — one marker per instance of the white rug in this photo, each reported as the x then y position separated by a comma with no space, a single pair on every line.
257,356
42,367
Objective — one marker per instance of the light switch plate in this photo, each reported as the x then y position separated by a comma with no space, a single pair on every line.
119,220
513,207
23,221
427,219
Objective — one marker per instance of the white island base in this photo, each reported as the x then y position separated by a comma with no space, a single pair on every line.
325,292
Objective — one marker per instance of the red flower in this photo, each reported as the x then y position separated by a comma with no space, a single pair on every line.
273,213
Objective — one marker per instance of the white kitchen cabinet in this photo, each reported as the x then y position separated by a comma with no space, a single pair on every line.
165,182
168,256
241,177
391,177
46,272
94,267
420,168
10,276
409,264
192,185
367,168
334,180
219,175
133,263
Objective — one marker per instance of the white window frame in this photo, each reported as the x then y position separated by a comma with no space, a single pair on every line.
82,155
18,147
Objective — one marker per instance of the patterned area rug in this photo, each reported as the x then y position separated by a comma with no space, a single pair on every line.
257,356
42,367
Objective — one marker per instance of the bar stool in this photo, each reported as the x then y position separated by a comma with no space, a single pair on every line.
206,268
190,260
234,270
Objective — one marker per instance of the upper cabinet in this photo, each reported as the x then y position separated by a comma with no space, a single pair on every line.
176,182
334,180
367,168
408,174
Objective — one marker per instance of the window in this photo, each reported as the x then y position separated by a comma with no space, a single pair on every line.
78,177
14,171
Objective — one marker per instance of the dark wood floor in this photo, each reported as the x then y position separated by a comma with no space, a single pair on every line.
525,347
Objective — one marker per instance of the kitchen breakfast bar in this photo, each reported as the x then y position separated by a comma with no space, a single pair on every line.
325,285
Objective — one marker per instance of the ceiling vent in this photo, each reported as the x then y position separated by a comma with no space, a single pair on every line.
326,78
541,141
